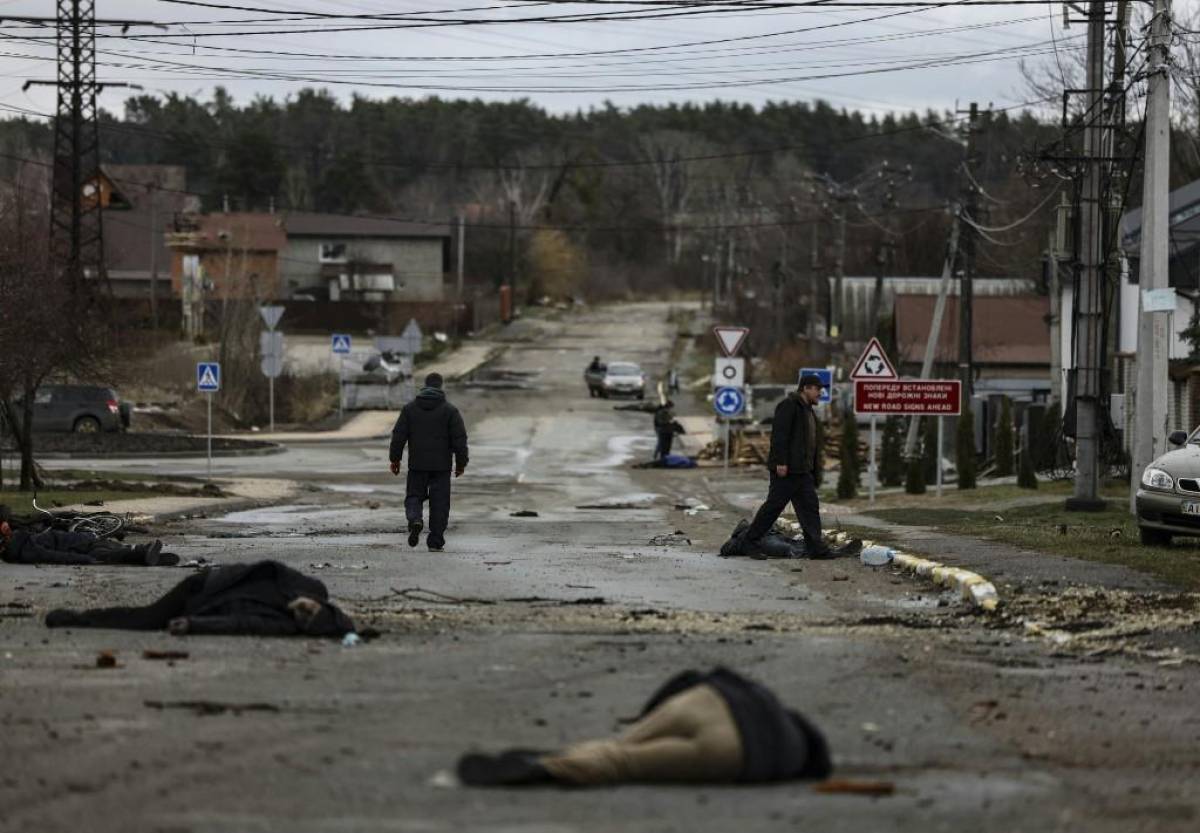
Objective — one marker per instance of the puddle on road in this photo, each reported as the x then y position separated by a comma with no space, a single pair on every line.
621,450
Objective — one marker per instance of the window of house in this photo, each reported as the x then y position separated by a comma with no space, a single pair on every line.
333,253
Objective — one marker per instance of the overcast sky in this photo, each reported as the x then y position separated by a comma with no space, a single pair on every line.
761,56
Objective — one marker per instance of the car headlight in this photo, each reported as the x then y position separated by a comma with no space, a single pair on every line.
1157,479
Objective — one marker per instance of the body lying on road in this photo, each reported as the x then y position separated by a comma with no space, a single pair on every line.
265,598
717,727
56,546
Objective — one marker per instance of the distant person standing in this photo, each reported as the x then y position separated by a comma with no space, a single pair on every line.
794,463
436,437
664,429
673,381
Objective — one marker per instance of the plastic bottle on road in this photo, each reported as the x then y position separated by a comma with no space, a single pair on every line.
877,556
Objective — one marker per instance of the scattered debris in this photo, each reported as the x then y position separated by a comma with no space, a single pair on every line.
847,786
150,653
840,577
205,708
350,640
674,539
692,511
325,565
496,563
523,513
106,659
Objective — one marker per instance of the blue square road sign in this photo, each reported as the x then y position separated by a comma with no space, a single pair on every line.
341,343
826,381
208,377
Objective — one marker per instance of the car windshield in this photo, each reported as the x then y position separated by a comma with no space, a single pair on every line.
624,370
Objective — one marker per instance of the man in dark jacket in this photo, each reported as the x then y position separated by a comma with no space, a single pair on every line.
265,598
56,546
664,429
795,467
433,430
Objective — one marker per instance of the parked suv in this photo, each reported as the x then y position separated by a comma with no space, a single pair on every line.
86,409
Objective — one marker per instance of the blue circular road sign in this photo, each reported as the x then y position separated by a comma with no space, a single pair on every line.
729,402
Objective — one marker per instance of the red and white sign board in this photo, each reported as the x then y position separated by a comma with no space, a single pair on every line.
731,338
908,397
873,363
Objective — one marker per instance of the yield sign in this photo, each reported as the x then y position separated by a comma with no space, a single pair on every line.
873,363
270,315
730,338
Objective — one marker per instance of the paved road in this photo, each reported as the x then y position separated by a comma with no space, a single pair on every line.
979,726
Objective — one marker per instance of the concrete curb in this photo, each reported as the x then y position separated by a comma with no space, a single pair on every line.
971,586
274,448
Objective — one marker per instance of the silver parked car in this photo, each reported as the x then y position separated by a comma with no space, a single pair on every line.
1168,501
623,379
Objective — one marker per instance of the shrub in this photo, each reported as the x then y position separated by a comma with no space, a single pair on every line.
914,481
847,485
891,471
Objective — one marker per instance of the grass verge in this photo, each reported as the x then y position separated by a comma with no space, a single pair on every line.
1108,537
21,503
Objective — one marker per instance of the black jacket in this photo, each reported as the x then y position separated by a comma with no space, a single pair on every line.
777,744
790,440
433,430
253,599
50,546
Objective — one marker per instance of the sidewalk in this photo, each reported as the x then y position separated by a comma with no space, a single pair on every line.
244,493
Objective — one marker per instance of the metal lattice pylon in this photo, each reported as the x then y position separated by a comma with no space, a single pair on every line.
76,225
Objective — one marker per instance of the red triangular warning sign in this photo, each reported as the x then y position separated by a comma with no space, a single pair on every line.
730,338
873,363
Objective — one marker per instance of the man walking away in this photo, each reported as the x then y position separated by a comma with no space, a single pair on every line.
794,464
433,430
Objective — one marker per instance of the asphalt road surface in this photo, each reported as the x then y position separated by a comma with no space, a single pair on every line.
535,631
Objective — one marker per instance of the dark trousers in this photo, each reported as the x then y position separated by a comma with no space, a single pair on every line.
433,486
663,447
152,617
801,491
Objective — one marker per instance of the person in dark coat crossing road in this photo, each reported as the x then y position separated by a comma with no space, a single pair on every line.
794,464
436,438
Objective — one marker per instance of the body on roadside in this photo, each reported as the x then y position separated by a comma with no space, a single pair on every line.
436,438
56,546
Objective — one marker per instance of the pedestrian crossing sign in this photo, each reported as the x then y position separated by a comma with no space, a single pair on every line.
208,377
341,343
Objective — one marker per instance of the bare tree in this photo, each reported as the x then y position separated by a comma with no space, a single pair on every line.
669,157
48,326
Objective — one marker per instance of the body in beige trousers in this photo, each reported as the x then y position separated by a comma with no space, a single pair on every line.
689,737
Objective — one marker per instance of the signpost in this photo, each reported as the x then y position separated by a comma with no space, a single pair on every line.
872,364
271,347
208,381
728,402
339,345
729,373
909,397
730,339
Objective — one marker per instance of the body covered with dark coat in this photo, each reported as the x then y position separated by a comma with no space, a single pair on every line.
250,599
796,437
56,546
777,744
433,431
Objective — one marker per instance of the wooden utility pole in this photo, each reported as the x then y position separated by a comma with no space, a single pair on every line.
1150,434
1089,312
155,240
966,289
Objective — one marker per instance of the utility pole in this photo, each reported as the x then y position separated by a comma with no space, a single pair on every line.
512,247
839,270
814,283
1089,302
966,290
462,237
155,239
1150,434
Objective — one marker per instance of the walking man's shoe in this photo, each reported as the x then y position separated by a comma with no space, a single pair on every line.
414,533
436,548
